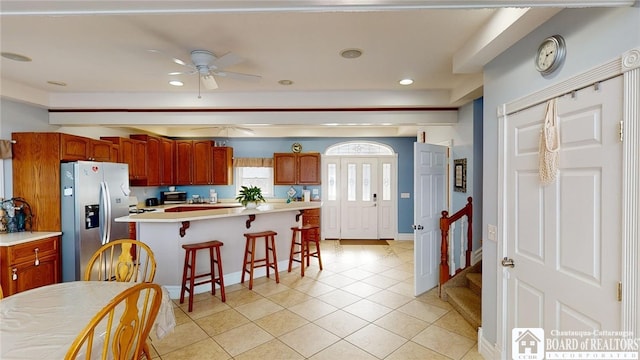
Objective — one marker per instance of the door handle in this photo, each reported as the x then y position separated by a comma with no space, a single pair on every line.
506,262
417,227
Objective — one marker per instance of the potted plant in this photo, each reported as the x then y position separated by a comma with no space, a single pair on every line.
250,196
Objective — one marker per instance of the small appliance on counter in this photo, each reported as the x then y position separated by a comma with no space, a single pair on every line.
173,197
151,202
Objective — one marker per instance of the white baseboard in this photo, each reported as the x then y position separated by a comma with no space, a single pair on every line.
405,236
486,349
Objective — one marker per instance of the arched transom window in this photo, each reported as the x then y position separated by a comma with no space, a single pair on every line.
356,148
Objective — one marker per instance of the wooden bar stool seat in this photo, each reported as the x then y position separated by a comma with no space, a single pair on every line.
269,261
300,237
189,275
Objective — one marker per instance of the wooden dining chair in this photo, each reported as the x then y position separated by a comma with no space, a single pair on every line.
1,294
123,260
120,330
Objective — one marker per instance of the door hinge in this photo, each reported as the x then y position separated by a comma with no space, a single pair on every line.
621,130
619,291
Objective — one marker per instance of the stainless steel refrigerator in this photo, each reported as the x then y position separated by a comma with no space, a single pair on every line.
93,194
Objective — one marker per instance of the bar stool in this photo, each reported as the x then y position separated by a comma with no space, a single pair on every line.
190,264
302,234
250,255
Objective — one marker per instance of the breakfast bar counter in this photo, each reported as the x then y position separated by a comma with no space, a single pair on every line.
166,232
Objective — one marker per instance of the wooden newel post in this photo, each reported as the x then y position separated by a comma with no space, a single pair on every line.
444,247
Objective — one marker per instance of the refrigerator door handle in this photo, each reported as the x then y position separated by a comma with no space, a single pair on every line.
105,209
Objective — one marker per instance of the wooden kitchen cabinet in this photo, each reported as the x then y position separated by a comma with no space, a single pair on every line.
184,156
193,162
201,164
134,153
312,217
222,159
296,168
167,168
159,160
73,148
30,265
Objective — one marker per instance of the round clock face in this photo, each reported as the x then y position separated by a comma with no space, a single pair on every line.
550,54
296,147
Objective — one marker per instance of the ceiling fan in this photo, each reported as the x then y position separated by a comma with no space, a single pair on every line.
208,66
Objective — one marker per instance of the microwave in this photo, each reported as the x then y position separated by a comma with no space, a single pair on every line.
173,197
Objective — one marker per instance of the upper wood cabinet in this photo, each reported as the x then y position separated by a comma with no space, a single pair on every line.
296,168
222,165
184,156
168,166
134,153
193,162
73,148
36,169
159,160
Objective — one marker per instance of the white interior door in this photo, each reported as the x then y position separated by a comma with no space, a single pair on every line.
565,238
359,200
430,184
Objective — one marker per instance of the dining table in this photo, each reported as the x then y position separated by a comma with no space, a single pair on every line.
42,323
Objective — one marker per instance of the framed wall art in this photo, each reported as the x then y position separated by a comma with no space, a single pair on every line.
460,175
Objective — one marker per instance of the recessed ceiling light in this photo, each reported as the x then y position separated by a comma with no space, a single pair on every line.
57,83
285,82
16,57
176,83
351,53
405,82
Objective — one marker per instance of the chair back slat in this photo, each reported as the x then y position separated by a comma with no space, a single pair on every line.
122,326
123,260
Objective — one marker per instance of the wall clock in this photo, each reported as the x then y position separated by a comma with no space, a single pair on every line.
550,54
296,147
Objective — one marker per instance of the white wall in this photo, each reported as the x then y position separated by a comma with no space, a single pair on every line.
593,37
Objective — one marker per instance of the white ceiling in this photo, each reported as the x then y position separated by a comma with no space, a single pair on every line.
100,50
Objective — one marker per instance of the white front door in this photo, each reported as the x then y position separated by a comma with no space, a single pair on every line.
565,238
359,200
430,184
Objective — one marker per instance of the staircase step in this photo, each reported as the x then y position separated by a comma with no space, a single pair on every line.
475,282
467,303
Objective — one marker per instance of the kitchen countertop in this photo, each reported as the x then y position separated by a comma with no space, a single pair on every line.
166,217
16,238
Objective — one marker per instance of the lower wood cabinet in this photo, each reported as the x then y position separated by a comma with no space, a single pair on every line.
312,217
30,265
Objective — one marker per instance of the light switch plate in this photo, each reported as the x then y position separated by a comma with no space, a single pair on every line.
492,232
405,195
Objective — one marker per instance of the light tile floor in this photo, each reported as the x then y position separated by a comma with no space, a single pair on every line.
361,306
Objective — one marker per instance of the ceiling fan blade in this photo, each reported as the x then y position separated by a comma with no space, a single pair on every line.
182,72
225,60
209,81
238,76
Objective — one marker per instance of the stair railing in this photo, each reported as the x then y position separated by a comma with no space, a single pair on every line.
448,266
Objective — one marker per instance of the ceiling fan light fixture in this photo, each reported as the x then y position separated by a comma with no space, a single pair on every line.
406,82
176,83
209,82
